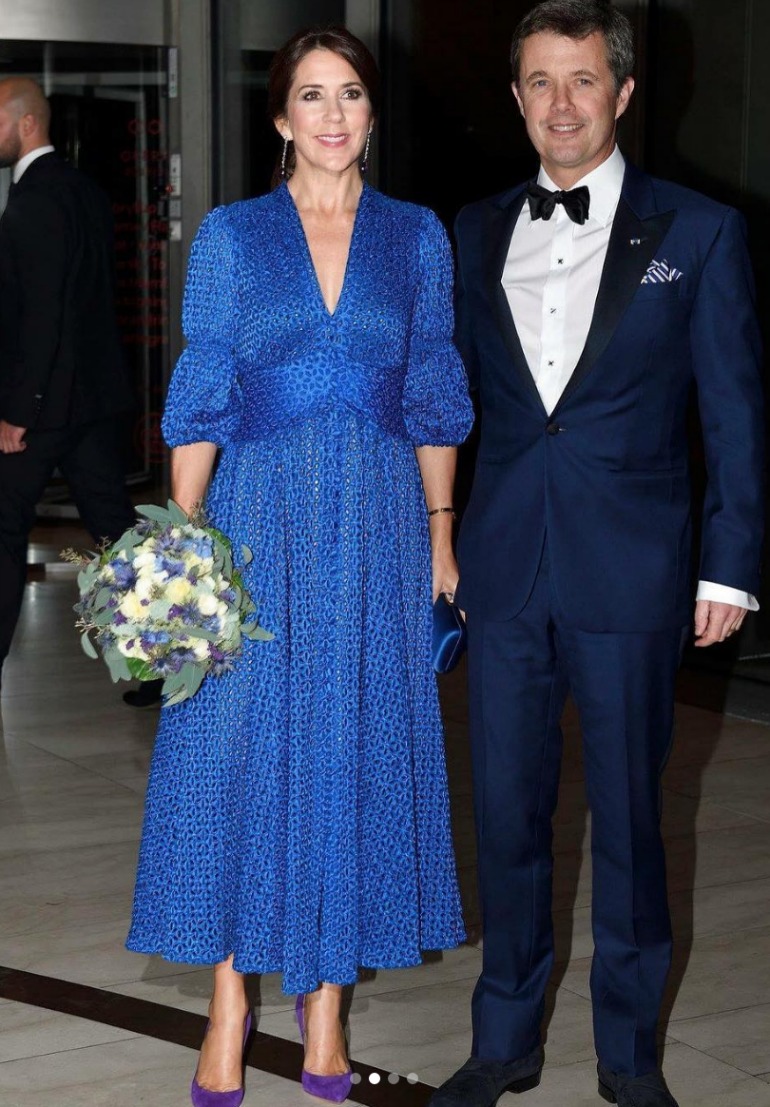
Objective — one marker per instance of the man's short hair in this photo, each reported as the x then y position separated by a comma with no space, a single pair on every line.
578,19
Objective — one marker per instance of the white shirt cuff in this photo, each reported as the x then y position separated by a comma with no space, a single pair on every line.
720,593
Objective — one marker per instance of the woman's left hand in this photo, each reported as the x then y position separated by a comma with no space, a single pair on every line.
445,574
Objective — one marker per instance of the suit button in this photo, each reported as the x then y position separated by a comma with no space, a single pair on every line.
553,428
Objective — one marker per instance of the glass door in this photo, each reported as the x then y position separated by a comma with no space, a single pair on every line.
110,118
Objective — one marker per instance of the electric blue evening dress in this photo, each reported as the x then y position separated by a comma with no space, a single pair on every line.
297,811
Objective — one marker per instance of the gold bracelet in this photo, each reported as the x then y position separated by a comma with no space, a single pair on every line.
443,511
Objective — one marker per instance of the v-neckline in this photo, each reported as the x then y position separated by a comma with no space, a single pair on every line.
309,256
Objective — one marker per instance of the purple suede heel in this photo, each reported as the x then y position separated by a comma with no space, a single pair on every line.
202,1097
334,1089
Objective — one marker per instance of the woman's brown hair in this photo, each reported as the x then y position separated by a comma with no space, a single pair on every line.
283,70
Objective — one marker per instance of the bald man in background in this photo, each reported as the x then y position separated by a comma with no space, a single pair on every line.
63,379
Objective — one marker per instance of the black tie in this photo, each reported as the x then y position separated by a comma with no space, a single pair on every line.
542,202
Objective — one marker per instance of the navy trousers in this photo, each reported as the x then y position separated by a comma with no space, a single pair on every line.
89,459
623,685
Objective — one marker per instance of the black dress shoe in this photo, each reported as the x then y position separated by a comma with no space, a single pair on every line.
481,1083
635,1091
146,695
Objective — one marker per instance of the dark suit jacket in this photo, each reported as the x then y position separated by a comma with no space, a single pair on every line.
61,362
606,475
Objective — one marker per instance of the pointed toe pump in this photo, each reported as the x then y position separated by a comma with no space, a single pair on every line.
334,1089
203,1097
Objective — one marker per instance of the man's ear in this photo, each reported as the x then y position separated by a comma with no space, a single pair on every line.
624,96
519,101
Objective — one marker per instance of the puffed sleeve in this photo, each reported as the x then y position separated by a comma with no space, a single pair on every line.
204,398
437,407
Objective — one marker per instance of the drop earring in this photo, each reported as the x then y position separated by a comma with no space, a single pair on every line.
365,159
283,158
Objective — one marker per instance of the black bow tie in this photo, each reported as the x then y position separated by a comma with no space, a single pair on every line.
542,202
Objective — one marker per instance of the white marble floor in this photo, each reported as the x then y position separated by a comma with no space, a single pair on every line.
72,776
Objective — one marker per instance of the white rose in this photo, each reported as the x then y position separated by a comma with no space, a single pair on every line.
144,559
201,649
179,591
131,607
143,587
207,603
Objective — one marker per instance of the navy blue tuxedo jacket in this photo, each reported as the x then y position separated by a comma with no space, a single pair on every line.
605,476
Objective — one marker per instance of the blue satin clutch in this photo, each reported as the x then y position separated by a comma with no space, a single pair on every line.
449,634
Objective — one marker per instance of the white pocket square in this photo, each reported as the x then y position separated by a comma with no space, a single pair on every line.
660,272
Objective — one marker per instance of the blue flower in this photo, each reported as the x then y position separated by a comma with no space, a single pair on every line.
170,566
161,667
202,547
187,612
150,638
125,576
119,619
166,541
219,668
180,657
221,662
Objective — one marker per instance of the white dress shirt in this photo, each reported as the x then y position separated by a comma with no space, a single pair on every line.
551,280
24,163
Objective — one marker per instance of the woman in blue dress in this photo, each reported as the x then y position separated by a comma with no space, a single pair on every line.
297,815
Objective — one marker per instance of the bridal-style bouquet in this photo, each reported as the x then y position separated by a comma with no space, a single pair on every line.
165,602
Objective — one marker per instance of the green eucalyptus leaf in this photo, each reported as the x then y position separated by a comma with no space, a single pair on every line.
89,649
193,678
176,515
256,633
192,674
247,555
158,610
155,513
103,618
199,632
172,683
84,579
102,597
118,665
174,698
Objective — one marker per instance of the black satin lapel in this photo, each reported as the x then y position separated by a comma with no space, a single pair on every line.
632,246
499,232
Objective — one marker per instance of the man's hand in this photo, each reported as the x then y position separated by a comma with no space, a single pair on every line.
714,622
12,438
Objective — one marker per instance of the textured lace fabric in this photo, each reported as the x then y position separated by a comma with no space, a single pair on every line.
297,812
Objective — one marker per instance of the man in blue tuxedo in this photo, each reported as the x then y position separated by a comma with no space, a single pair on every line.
589,304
